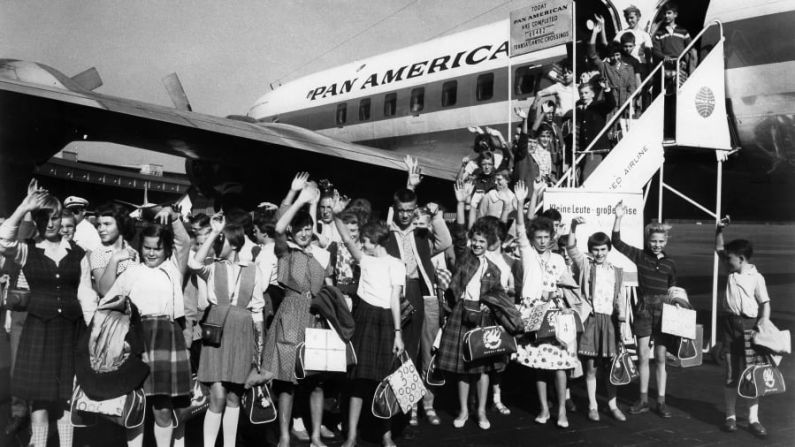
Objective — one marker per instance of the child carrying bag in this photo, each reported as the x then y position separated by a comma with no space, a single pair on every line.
761,380
399,391
490,341
258,405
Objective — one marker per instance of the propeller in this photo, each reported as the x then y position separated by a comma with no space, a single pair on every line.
176,92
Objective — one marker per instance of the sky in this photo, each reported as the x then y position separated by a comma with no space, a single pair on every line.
225,52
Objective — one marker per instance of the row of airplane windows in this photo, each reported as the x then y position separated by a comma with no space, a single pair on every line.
484,91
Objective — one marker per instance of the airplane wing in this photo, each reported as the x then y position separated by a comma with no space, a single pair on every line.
43,116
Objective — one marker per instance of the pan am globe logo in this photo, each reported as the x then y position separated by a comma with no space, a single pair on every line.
705,102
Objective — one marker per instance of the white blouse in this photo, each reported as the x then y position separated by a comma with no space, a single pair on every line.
155,291
257,302
378,276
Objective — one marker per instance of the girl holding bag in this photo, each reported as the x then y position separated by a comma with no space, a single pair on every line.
601,284
377,339
475,276
303,269
234,290
542,270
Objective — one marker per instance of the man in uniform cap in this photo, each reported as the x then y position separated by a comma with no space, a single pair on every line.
86,236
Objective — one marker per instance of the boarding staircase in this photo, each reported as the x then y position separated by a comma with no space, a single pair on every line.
639,154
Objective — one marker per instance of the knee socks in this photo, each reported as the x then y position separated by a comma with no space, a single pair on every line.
163,435
135,436
212,423
65,430
38,436
231,415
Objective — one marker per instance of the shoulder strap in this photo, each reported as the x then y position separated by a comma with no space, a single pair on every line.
245,290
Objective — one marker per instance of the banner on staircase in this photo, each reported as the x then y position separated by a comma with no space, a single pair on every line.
701,119
596,206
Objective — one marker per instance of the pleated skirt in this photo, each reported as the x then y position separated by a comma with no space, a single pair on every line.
231,361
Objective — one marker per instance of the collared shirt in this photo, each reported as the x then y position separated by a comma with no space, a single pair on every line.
604,289
745,291
99,258
405,239
472,291
86,236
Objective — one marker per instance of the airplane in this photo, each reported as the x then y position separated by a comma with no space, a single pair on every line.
355,123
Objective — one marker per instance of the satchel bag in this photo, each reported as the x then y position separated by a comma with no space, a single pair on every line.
127,411
406,383
258,405
485,342
761,380
385,404
17,299
471,313
212,331
623,370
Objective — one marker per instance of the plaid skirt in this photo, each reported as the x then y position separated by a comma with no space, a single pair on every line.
231,362
167,357
598,337
450,357
45,364
373,340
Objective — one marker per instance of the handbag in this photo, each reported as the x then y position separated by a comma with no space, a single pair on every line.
199,403
385,404
434,377
761,380
471,314
17,299
485,342
127,411
212,331
687,349
406,383
623,370
258,405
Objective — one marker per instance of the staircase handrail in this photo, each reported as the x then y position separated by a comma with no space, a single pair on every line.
692,44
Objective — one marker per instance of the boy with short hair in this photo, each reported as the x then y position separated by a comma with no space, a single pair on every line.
641,38
670,40
746,305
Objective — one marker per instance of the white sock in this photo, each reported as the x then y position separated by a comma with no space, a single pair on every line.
298,424
65,430
212,423
38,437
611,403
753,412
163,435
497,396
179,436
231,415
135,436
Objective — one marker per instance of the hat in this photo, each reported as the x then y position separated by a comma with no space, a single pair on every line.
75,201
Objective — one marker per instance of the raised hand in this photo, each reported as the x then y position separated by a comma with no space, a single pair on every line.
340,203
579,220
520,191
299,181
414,171
309,193
433,208
600,23
620,209
520,113
165,215
461,194
723,223
217,223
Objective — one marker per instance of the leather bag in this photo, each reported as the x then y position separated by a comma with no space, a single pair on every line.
385,404
471,314
258,405
213,327
623,370
485,342
127,411
17,299
761,380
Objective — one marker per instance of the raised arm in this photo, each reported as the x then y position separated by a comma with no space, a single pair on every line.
414,172
601,21
196,263
520,191
723,223
308,193
439,231
9,230
104,279
297,185
633,253
181,236
463,191
591,50
576,255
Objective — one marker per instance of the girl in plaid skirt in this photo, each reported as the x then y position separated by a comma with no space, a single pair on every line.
57,274
155,287
377,338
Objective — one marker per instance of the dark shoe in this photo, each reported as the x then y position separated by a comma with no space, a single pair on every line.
570,406
15,424
758,430
639,407
664,411
730,425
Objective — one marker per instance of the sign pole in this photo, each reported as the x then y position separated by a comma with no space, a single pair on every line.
715,259
660,195
509,133
572,180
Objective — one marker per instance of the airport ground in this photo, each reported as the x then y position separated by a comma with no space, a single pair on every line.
694,394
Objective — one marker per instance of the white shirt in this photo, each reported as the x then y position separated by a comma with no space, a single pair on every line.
329,233
155,291
267,262
565,94
86,236
472,291
257,301
745,291
604,289
378,276
539,276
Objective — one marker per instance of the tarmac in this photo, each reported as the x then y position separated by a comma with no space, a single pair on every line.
695,395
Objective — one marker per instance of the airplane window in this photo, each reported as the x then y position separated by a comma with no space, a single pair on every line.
417,100
485,87
364,109
525,81
449,93
342,113
390,104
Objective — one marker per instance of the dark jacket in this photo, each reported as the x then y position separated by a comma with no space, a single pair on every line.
330,304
